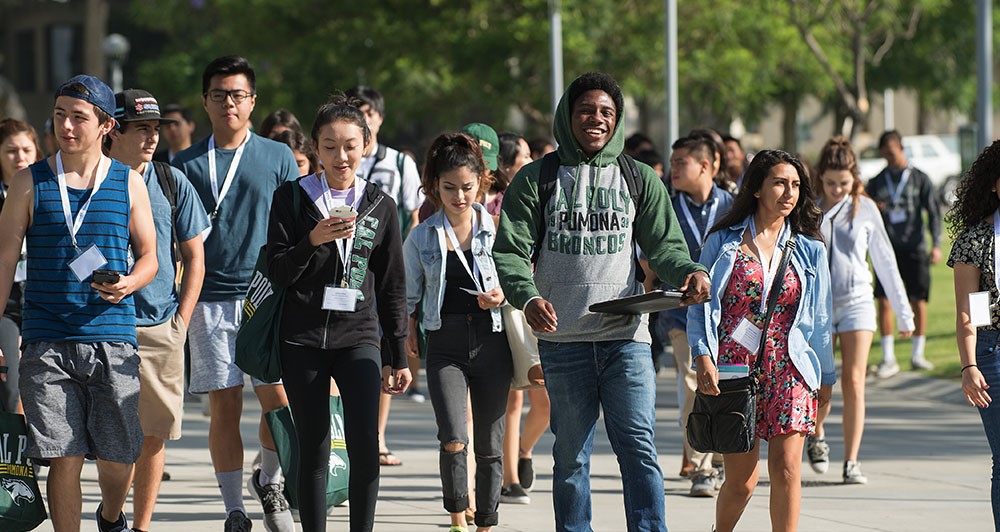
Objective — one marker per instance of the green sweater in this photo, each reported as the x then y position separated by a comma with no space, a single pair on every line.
587,254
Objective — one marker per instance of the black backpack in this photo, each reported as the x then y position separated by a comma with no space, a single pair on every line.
547,179
168,183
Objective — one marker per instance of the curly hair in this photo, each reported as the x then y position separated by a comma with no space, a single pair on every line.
451,151
805,217
976,195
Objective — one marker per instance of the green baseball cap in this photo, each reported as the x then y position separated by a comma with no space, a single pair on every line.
488,142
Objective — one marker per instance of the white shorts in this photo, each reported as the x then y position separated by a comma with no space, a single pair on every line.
212,339
858,316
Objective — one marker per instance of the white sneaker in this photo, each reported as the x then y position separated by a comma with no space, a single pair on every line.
853,474
818,452
887,369
921,363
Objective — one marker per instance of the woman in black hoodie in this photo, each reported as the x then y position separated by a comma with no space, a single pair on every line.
333,313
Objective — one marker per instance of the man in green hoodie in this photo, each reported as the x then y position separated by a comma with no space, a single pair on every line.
587,254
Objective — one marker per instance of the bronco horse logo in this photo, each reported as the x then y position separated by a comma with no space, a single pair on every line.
18,490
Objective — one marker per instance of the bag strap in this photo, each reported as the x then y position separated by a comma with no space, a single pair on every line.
772,297
168,184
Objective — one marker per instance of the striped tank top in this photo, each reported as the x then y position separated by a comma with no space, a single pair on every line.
58,307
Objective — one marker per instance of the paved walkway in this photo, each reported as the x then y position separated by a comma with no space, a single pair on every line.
924,452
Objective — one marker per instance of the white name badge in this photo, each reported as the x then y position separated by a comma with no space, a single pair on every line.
341,299
21,273
88,261
897,216
979,309
748,335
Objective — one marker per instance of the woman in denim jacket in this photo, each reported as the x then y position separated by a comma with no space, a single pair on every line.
796,376
450,273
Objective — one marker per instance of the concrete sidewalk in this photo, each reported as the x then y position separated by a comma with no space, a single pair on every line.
924,453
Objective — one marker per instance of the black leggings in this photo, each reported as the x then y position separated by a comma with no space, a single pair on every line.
306,373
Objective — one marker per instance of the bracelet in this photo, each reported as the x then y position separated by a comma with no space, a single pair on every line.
967,367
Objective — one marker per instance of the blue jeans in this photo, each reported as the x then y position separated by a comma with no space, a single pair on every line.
988,360
618,376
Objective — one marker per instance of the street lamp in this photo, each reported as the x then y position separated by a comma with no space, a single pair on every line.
116,48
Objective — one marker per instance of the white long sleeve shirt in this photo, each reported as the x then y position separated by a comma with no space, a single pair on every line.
849,242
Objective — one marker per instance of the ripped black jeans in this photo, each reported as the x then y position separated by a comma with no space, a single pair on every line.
465,357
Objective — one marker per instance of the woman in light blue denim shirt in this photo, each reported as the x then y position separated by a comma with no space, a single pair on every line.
797,372
450,273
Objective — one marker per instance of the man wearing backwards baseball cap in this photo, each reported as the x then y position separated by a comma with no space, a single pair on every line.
161,314
80,211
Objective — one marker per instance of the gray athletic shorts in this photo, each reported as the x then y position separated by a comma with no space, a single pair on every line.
212,340
81,399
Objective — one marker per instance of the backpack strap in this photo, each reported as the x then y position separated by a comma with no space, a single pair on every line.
168,184
547,179
633,179
404,219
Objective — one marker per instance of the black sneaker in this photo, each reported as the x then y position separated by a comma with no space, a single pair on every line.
121,525
525,472
277,515
514,494
238,522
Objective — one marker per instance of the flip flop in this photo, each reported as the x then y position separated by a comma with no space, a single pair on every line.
388,459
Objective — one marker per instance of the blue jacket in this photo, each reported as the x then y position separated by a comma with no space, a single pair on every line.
423,254
810,343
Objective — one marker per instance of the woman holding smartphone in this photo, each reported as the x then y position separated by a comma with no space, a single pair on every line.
339,256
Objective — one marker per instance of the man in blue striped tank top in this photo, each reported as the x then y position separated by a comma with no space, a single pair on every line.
80,212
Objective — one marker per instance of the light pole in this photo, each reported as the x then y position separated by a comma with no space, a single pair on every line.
116,48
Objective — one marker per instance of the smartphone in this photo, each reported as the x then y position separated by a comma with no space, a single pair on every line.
106,276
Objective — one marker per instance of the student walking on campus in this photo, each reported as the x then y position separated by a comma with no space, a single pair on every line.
594,362
699,202
975,223
19,148
451,276
235,173
853,231
796,373
80,212
162,314
340,258
904,195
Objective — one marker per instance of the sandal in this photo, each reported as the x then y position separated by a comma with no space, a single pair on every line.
388,459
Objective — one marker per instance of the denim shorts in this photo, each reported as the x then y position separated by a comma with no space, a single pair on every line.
82,399
858,316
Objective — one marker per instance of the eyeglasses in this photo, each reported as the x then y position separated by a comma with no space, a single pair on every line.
219,95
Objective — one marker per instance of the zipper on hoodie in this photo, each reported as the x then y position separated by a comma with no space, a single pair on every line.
326,330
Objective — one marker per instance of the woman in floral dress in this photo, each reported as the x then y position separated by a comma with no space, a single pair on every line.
796,374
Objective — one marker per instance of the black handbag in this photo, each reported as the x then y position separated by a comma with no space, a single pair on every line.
727,423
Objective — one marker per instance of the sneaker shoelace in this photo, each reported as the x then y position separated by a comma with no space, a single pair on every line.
272,500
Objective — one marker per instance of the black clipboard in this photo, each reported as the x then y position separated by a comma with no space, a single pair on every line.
655,301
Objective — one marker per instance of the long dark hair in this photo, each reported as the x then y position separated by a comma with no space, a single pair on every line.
805,217
976,196
448,152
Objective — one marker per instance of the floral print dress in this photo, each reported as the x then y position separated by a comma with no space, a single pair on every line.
784,402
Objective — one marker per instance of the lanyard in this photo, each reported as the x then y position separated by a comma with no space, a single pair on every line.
833,229
699,237
897,192
74,224
228,182
771,268
474,272
345,246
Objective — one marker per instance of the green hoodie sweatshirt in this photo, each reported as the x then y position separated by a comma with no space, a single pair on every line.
587,254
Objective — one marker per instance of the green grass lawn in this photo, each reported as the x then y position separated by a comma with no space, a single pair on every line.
941,347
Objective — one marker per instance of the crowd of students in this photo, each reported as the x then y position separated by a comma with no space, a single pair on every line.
112,259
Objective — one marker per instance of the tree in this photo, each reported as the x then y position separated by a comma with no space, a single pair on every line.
848,38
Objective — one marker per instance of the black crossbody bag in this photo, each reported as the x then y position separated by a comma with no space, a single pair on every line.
727,423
